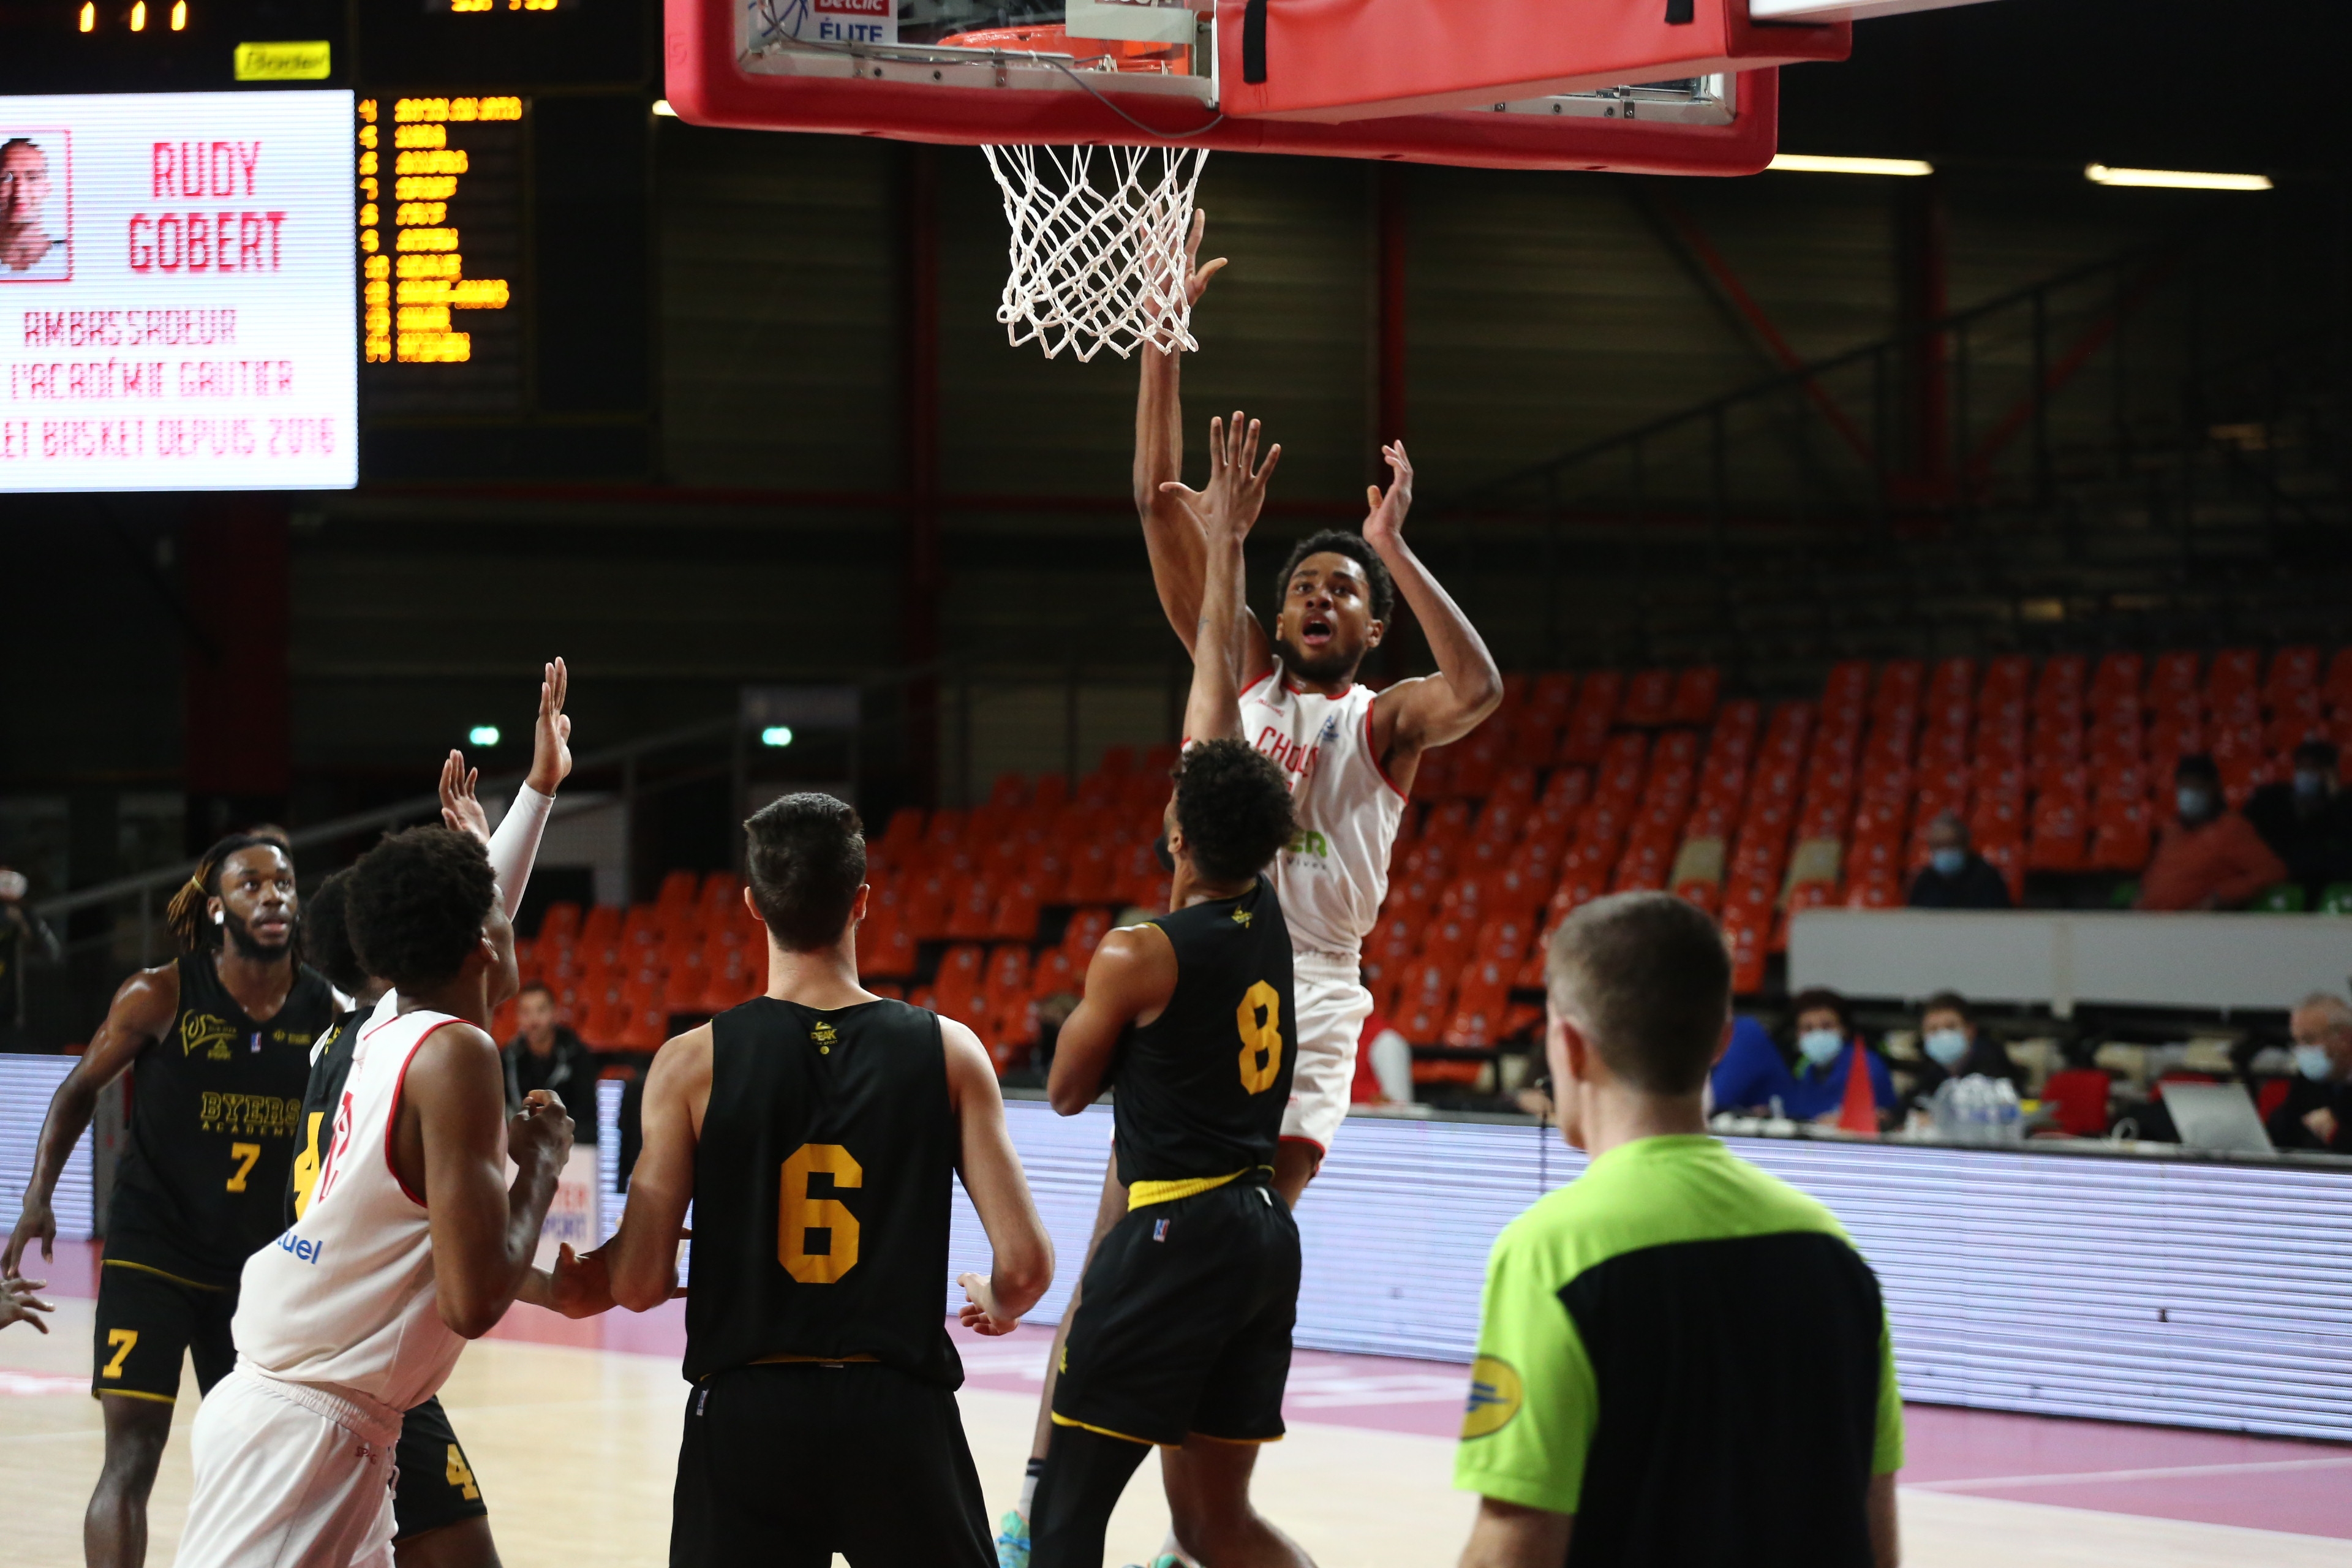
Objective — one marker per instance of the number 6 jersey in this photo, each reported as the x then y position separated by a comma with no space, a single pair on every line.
1200,1088
821,1191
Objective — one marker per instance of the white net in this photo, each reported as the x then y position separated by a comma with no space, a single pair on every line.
1098,246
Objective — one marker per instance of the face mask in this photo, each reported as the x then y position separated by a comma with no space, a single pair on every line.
1820,1046
2309,785
2193,804
2312,1062
1947,862
1949,1048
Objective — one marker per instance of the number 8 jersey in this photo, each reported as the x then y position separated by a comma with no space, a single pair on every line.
821,1191
1200,1088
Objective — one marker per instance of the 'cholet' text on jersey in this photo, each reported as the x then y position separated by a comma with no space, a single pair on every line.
1336,872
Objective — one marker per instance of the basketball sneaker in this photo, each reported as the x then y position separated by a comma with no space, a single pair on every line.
1012,1540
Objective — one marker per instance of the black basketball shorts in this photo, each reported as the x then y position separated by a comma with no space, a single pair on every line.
147,1321
436,1485
1184,1321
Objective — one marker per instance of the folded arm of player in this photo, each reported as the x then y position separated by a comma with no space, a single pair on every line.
1130,981
1227,510
1412,716
514,847
451,1144
1172,522
143,1009
1022,1261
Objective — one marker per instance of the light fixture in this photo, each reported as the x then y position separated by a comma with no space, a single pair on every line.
662,107
179,16
1814,163
139,16
90,15
2175,179
776,735
482,735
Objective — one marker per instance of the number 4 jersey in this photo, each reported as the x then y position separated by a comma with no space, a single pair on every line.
1200,1088
821,1191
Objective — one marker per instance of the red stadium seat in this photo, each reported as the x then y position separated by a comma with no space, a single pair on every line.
1015,917
2055,841
1648,696
1056,971
1085,934
955,988
972,917
1696,690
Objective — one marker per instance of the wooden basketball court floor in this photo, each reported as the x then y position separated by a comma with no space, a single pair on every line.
573,1429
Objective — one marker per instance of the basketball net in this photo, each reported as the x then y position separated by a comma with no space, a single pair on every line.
1098,246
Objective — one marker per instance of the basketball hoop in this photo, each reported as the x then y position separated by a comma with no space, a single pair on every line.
1096,254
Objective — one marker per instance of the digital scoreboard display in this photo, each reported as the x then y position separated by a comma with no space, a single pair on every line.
176,292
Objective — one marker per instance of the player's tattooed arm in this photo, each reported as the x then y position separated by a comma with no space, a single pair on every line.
1130,981
1412,716
1022,1255
143,1009
639,1264
1227,508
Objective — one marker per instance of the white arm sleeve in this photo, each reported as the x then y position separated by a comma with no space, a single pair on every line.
515,846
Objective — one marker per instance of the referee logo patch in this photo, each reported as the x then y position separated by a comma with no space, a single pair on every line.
1495,1397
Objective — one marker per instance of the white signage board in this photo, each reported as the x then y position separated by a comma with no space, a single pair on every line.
176,292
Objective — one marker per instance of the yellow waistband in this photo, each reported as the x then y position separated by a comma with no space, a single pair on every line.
1142,1194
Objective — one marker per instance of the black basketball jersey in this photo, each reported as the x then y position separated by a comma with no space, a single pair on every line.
214,1107
821,1191
330,1064
1199,1091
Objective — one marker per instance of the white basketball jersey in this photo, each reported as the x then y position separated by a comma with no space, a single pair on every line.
346,1296
1336,872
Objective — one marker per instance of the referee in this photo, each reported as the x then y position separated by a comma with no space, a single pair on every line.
1681,1360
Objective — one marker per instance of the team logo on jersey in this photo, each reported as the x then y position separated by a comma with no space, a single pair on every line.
823,1034
1306,841
1496,1396
253,1113
1241,917
203,1032
1330,730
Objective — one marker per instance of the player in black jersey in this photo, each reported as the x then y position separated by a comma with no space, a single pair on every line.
816,1130
1181,1337
218,1045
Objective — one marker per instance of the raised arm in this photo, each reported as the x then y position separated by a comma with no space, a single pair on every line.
1130,981
514,847
1022,1255
142,1011
451,1144
1227,508
1414,715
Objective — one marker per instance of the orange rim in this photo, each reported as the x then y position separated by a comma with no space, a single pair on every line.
1054,37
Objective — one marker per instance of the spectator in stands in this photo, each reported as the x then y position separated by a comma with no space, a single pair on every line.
1953,1048
2318,1110
1828,1048
1751,1078
2307,823
1955,877
548,1054
2212,859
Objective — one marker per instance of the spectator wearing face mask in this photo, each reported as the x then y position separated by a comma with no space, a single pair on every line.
1955,877
2318,1110
1827,1049
1953,1048
1751,1078
2307,821
2210,857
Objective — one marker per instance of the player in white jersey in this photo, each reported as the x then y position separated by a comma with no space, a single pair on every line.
1351,754
411,1243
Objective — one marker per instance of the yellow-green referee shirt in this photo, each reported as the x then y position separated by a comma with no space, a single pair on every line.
1690,1356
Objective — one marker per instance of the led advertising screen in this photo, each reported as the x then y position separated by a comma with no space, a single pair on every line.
176,292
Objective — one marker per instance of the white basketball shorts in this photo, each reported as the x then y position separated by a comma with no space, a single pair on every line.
289,1475
1329,1005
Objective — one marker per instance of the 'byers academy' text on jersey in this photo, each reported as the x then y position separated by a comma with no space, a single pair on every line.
1335,871
1199,1091
821,1191
214,1105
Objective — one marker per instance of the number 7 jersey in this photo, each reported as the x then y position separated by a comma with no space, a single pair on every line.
821,1191
1200,1090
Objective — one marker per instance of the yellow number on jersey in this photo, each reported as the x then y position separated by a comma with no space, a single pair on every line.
1260,1020
461,1474
306,1166
799,1214
121,1342
245,1154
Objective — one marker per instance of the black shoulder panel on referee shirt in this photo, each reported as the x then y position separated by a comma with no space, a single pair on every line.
1751,1443
821,1191
1200,1088
215,1106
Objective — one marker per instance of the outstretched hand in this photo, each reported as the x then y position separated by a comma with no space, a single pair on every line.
461,809
980,1312
1196,276
18,1304
1384,525
1237,482
550,744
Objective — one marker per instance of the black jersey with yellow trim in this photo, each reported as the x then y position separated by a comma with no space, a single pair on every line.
214,1108
1198,1093
331,1069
